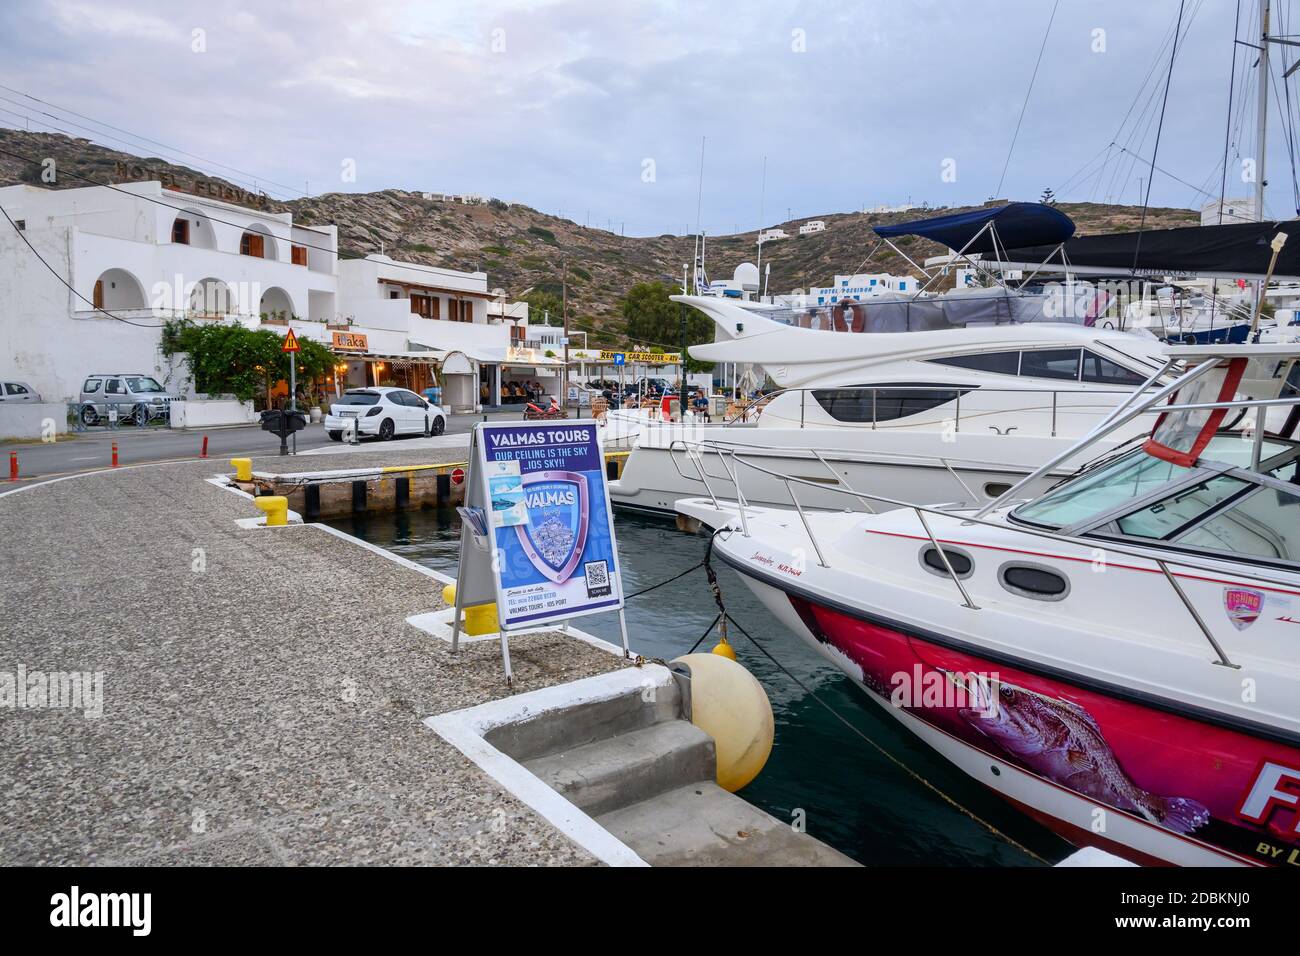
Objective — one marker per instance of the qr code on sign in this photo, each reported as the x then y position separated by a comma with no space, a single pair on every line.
597,574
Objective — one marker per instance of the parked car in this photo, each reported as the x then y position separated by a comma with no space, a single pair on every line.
383,413
137,398
18,392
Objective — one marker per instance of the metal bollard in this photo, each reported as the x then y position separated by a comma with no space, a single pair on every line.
243,468
204,452
276,508
114,454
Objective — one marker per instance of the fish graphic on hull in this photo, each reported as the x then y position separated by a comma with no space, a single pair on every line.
1062,742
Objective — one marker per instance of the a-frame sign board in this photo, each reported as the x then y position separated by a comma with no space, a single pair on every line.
537,531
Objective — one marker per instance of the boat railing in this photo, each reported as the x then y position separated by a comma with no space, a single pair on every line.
691,450
733,460
754,410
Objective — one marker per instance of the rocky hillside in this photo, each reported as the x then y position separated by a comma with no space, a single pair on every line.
520,247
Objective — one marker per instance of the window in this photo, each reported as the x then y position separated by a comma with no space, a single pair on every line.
1109,485
21,224
1169,514
1106,372
394,294
1033,581
1051,363
460,310
142,384
97,297
961,562
181,231
113,386
13,388
91,386
422,305
252,244
1000,363
358,398
298,255
1264,523
516,333
884,403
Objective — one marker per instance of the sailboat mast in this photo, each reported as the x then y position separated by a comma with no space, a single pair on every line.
1261,120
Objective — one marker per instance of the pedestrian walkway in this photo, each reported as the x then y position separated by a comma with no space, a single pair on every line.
263,697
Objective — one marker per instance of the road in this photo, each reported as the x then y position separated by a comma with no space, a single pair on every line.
92,450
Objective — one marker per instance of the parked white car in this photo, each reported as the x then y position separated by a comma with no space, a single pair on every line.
18,392
383,413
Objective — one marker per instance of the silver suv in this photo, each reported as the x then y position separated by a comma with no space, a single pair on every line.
136,398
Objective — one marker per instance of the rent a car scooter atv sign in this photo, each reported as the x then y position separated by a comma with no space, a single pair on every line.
538,535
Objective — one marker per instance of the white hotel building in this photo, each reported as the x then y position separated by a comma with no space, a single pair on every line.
147,254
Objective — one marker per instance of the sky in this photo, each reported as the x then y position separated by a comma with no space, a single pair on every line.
599,110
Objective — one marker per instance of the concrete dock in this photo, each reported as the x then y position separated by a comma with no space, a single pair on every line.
264,697
262,693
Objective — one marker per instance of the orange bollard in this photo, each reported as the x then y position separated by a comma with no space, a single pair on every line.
114,454
204,452
13,466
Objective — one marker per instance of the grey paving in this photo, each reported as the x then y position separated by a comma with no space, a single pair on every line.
255,711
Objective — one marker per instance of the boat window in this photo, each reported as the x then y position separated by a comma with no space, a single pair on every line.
1109,485
1033,581
885,403
1178,510
1106,372
1050,363
961,562
1265,523
999,363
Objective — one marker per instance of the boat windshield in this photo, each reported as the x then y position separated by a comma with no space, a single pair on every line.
1136,474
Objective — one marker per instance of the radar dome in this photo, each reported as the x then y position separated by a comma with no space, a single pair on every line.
746,276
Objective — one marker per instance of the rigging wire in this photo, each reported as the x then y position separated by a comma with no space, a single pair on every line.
1025,105
1146,200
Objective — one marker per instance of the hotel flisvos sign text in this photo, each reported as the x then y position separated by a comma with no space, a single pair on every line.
642,358
211,188
350,342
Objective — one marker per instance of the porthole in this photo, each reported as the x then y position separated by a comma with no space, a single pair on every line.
996,489
961,562
1036,581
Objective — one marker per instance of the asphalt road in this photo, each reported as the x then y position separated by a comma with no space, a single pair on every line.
92,450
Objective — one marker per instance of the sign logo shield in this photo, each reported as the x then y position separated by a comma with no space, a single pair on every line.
556,530
1243,606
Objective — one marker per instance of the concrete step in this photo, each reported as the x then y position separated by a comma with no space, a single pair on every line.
703,825
568,728
604,775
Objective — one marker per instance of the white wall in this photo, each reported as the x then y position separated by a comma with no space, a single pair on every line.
32,419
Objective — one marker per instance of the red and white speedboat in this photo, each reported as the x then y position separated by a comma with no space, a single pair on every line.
1119,656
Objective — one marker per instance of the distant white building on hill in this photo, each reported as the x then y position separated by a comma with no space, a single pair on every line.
855,288
1234,211
771,235
813,225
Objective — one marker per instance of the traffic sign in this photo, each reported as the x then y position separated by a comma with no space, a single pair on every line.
290,342
620,358
458,476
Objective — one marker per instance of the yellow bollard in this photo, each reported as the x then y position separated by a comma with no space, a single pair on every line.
276,508
243,468
479,619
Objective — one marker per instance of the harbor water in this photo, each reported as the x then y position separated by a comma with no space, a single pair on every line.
862,796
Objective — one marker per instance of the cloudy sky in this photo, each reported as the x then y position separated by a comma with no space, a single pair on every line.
596,108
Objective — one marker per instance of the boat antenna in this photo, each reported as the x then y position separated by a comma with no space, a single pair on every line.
1025,105
1227,135
762,196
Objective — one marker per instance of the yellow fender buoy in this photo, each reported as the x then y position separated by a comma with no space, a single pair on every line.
724,649
729,704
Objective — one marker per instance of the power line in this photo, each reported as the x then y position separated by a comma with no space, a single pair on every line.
144,139
54,272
